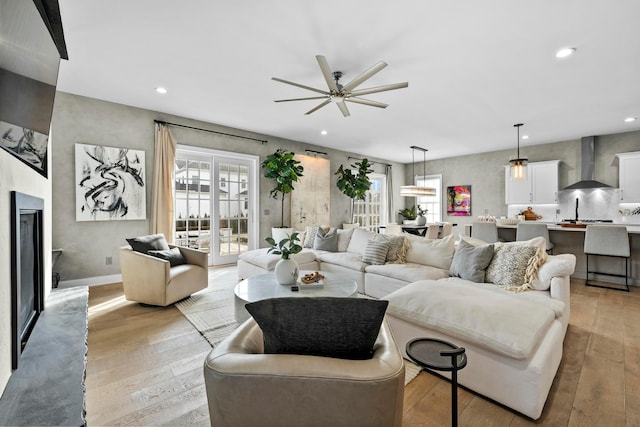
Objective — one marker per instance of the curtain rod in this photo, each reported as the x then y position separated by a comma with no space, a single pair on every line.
262,141
373,163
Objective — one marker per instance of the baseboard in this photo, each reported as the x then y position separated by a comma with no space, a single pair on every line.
91,281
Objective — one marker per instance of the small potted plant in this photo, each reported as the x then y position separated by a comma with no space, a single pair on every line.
354,185
415,215
284,170
286,270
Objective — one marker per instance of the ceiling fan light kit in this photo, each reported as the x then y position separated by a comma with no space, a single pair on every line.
338,93
518,166
417,190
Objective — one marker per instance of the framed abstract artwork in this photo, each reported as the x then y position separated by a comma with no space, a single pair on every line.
26,144
459,200
110,183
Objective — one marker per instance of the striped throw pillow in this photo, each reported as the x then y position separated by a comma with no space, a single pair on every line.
375,252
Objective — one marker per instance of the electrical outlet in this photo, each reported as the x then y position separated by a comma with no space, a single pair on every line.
266,212
108,260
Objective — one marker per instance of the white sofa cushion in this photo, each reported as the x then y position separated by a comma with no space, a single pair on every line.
433,252
262,259
359,240
344,237
502,321
408,272
343,259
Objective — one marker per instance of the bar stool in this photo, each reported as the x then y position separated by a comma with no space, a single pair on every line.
610,241
485,231
529,230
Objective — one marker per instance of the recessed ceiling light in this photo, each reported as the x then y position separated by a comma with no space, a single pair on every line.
630,119
563,53
525,136
323,132
161,90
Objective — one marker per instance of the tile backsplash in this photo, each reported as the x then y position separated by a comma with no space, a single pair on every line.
592,204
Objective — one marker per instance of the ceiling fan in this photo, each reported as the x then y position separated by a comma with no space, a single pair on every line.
339,93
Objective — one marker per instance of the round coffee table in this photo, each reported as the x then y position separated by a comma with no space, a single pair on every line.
264,286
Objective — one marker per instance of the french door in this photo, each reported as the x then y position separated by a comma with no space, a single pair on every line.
215,195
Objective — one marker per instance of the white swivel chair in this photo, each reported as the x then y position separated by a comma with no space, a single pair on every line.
485,231
447,229
432,231
610,241
529,230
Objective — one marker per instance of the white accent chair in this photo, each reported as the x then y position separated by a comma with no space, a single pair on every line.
485,231
610,241
447,229
432,231
529,230
150,280
246,387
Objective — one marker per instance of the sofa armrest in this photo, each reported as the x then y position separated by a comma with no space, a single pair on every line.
194,256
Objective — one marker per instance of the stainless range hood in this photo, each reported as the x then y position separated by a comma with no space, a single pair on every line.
587,170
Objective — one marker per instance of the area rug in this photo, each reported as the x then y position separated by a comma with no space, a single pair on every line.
210,311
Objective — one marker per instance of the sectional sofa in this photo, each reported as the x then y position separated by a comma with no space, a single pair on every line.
512,333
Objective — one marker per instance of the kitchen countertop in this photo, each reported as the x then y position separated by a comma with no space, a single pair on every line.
554,226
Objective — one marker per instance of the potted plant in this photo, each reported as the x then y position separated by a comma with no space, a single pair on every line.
286,270
413,214
284,170
354,185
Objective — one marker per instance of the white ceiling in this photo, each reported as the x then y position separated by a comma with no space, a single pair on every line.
474,67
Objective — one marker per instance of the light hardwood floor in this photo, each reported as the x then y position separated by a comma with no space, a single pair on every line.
145,368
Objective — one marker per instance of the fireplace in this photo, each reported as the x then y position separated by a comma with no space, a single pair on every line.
27,278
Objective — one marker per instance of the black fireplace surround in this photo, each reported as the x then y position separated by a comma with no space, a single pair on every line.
27,278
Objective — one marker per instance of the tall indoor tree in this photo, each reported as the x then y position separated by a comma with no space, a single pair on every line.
284,170
354,185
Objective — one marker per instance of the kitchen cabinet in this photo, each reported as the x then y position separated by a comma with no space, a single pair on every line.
629,177
540,187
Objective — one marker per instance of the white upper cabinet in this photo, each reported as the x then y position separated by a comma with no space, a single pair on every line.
629,177
540,187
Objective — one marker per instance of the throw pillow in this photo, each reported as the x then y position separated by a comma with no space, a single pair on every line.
555,266
359,240
376,252
344,237
326,241
152,242
508,267
310,236
344,328
398,246
173,255
470,262
539,242
434,252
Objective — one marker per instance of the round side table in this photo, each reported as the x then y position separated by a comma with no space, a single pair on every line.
440,355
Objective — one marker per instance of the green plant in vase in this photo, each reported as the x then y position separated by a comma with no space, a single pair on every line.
286,270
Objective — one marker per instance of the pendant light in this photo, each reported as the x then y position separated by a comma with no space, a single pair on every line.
416,190
518,166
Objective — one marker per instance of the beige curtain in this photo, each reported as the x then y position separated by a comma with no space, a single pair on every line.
162,198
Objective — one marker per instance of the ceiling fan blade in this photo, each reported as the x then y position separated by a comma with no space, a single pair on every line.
366,102
301,86
316,108
379,89
343,108
300,99
326,72
364,76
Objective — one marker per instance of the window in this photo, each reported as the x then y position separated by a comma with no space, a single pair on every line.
223,182
433,204
372,211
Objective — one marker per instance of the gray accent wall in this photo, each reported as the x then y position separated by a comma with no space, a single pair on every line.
78,119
